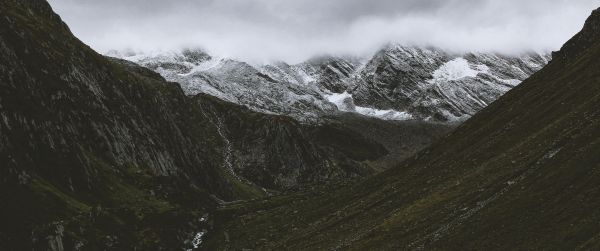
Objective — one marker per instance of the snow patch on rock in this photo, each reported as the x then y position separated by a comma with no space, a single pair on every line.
205,66
458,68
345,103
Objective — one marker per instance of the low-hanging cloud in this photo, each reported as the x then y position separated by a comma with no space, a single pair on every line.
261,30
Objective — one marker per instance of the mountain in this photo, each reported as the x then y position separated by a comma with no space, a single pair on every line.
273,89
101,153
430,83
522,174
397,83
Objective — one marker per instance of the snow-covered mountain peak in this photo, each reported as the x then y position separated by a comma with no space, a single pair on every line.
432,83
398,82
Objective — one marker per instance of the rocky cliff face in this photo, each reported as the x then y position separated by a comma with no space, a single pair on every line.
397,83
279,153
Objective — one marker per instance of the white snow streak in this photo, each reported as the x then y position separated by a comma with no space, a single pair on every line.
345,103
456,69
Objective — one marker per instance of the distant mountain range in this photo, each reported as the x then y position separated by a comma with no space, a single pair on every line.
397,83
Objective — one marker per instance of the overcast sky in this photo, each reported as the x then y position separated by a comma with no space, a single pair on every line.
259,30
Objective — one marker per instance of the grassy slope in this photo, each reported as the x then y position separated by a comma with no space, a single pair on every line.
522,174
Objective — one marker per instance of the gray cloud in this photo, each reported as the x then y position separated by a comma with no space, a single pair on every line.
259,30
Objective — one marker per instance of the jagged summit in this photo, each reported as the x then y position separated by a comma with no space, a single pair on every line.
433,84
583,40
425,83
